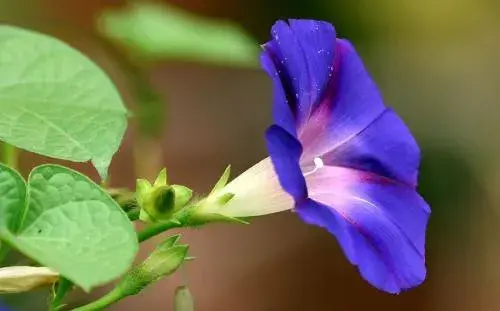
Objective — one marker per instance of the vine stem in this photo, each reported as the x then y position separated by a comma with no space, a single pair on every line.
156,229
101,303
116,294
63,288
10,157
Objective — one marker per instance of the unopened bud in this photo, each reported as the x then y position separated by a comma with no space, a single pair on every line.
164,260
20,279
158,202
183,300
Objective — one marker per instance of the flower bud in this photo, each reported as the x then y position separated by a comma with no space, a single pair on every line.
158,202
164,260
183,300
20,279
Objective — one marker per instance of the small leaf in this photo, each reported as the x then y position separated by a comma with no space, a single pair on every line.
69,224
183,300
20,279
154,31
56,102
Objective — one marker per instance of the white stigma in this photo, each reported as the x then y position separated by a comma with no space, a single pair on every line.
318,163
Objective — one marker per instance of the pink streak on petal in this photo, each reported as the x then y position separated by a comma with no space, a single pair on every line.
350,104
314,134
329,185
391,221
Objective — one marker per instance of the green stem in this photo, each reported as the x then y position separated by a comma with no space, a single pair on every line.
103,302
4,251
63,288
156,229
116,294
10,157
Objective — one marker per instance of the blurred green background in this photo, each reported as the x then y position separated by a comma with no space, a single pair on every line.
435,61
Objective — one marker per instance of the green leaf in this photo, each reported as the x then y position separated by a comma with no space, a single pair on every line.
56,102
66,222
156,31
12,198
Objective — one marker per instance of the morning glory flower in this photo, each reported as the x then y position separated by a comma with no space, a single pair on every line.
339,157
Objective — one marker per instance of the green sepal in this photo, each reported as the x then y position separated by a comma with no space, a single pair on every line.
142,186
145,217
205,210
169,242
182,196
161,179
194,216
222,181
226,219
225,198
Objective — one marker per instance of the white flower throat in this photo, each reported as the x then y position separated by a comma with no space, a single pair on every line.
318,163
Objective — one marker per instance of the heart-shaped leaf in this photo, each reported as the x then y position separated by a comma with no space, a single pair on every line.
54,101
66,222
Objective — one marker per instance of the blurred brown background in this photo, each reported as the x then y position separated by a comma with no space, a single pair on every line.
436,62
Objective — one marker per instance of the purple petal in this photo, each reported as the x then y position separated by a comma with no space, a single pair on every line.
303,53
285,151
385,148
352,103
282,113
379,224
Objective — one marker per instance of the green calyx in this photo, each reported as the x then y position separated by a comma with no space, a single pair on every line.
160,201
163,261
206,210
